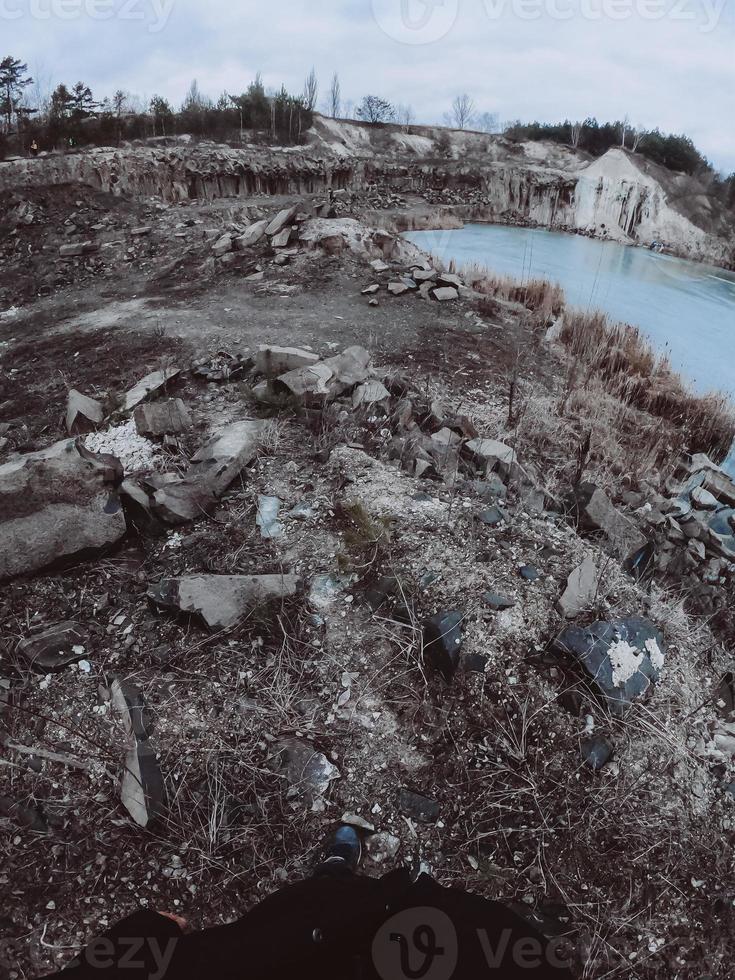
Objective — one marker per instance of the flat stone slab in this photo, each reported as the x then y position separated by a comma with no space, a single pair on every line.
54,648
151,384
222,600
83,414
274,361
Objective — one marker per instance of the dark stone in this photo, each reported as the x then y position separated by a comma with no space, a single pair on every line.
726,695
493,517
476,663
497,602
642,563
529,573
388,595
419,807
572,701
730,791
54,649
590,649
597,752
25,816
443,641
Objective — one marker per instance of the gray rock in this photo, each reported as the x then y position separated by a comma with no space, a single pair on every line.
75,249
397,288
182,501
142,789
449,279
308,771
151,384
222,246
371,290
309,384
83,414
379,266
222,600
55,648
495,455
444,294
581,590
280,221
424,275
370,393
252,236
267,517
58,504
595,513
162,418
704,499
418,807
274,361
221,459
282,239
384,847
496,602
721,486
638,655
529,573
493,517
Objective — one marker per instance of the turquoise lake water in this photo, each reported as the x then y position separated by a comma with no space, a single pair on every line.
686,309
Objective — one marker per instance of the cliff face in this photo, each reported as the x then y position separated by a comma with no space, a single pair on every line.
611,197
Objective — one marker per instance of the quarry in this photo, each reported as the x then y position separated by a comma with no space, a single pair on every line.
298,525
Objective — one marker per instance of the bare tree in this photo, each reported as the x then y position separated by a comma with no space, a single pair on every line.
638,133
576,129
335,97
463,108
488,122
311,90
624,127
405,116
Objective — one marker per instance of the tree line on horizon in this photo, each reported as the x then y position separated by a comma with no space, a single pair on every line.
72,116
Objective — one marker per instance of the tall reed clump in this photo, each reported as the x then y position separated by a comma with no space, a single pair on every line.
538,295
622,360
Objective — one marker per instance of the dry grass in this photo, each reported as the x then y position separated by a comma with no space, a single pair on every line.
621,361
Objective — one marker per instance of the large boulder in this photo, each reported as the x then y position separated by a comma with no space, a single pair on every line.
58,504
621,659
222,600
595,514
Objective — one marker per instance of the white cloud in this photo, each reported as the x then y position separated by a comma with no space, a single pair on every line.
671,72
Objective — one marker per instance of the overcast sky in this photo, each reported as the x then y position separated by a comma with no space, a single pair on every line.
667,63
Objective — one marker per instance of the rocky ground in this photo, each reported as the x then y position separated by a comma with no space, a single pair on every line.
316,567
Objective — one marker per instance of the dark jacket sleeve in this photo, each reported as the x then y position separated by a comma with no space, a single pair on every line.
140,947
350,928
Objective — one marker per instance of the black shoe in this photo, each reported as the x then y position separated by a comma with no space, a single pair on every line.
344,849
